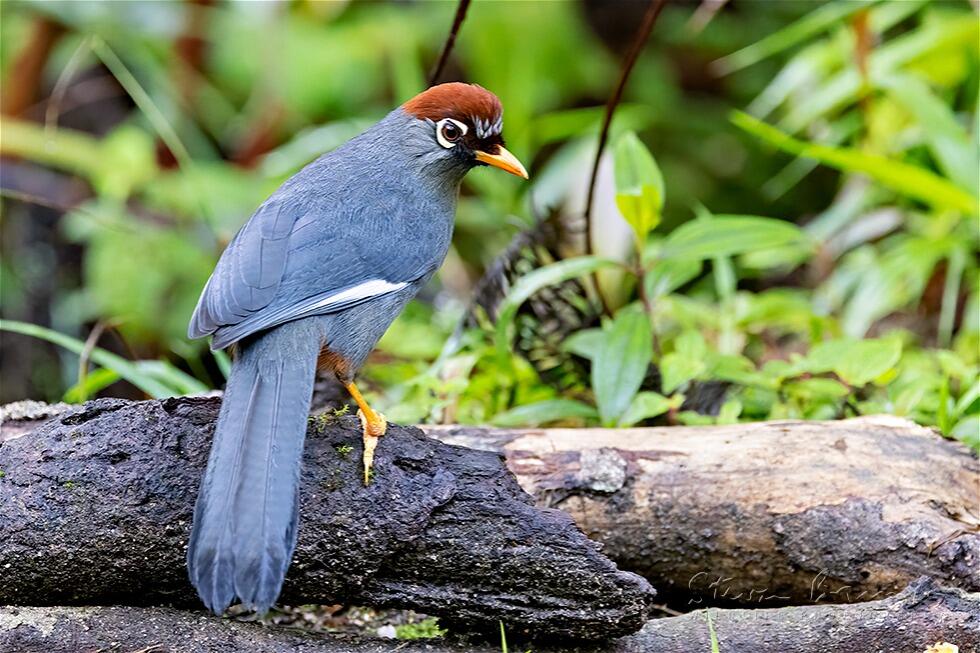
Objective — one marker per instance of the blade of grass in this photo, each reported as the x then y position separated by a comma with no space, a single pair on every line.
223,361
177,380
98,379
715,648
126,370
160,124
955,266
904,179
848,85
950,144
814,23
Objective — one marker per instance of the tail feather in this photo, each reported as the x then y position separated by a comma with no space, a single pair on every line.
244,529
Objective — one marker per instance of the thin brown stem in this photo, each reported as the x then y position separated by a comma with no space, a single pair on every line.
447,47
90,342
647,305
642,34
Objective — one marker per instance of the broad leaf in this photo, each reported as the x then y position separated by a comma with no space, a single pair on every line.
667,275
646,405
856,362
686,362
621,363
639,185
542,412
584,343
729,235
676,370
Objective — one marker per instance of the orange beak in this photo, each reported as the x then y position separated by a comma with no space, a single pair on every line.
503,160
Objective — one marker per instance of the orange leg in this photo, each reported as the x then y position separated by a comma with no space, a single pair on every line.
374,426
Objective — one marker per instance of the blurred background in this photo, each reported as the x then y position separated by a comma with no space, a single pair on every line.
788,199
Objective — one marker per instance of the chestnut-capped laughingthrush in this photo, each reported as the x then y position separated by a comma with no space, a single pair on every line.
313,280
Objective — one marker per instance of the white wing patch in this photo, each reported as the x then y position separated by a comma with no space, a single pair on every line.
365,290
228,334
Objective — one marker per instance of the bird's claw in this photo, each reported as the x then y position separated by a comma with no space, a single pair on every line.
373,429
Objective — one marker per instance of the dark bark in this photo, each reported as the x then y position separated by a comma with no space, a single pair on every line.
97,503
772,513
907,623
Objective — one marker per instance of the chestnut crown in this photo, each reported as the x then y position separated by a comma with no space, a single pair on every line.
468,119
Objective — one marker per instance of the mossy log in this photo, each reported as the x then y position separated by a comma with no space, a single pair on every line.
768,514
907,623
97,504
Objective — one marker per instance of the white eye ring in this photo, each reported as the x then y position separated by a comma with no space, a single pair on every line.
443,138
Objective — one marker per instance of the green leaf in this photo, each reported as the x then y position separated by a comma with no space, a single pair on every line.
667,275
542,412
729,235
967,398
621,363
712,636
807,27
97,379
691,344
729,412
817,389
903,178
126,370
856,362
686,362
646,405
639,185
529,284
584,343
223,360
958,157
826,96
676,370
967,431
739,369
177,380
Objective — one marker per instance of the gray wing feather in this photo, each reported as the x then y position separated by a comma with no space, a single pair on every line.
248,274
288,263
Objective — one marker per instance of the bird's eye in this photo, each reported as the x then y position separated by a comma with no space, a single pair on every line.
449,131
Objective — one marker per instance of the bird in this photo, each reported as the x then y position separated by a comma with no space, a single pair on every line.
312,281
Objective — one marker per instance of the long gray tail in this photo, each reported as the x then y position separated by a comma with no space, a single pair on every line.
244,528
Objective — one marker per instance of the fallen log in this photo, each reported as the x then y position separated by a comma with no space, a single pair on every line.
97,504
909,622
770,513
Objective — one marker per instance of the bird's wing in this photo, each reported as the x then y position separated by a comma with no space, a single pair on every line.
282,266
248,273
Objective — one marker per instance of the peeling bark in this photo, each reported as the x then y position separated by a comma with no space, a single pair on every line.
771,513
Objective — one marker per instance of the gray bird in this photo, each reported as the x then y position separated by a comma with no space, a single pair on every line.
313,280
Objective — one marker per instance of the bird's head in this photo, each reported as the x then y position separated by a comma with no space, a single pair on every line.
462,125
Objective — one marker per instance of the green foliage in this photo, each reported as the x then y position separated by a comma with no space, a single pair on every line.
425,629
914,181
639,185
156,378
729,235
542,412
620,363
715,648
